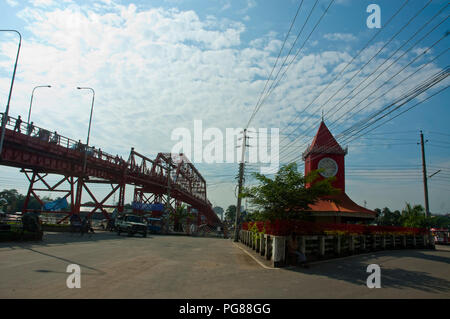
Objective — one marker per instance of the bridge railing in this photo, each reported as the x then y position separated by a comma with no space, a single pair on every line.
47,136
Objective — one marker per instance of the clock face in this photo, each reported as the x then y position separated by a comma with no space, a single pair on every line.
329,167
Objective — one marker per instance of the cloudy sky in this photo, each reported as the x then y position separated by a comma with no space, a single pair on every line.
159,65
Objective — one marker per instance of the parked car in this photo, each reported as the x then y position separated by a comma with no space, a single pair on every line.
131,224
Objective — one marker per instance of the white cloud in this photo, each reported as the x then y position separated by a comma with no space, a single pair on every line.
340,37
12,3
42,3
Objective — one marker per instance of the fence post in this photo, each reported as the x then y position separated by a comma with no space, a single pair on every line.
374,237
303,245
363,243
258,242
383,242
351,244
393,241
278,250
414,240
268,247
321,246
404,241
338,245
262,248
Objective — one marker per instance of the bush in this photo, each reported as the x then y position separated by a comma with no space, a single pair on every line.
287,227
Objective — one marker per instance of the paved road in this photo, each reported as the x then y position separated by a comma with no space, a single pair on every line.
188,267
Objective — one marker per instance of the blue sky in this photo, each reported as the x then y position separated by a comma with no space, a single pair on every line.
160,65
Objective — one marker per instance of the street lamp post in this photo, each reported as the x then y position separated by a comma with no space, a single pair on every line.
31,101
5,115
89,128
82,177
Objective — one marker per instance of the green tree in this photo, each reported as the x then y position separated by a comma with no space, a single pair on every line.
386,217
179,216
230,213
16,201
414,216
440,221
286,195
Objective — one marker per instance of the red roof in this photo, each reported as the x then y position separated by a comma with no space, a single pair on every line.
324,141
343,204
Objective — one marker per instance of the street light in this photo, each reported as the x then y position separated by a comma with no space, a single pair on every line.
31,101
5,116
90,121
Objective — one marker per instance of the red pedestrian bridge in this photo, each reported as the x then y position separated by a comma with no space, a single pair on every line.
169,178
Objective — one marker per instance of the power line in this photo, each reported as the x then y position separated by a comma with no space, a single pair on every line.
346,66
425,51
276,61
272,87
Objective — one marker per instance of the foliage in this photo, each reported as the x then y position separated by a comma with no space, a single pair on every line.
386,217
299,227
286,195
230,213
411,216
414,216
16,201
179,217
440,221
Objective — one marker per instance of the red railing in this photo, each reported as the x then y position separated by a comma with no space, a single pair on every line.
46,136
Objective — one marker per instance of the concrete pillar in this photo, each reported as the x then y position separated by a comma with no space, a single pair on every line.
303,245
258,242
337,249
262,247
278,250
363,243
269,250
321,240
351,244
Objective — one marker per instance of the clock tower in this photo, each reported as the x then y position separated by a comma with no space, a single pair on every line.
325,153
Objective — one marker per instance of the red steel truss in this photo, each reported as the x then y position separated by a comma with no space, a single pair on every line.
169,178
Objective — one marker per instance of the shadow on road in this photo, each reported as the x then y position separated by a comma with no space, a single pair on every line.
64,260
64,238
353,270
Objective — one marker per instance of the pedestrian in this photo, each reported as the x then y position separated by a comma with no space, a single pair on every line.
99,153
30,128
18,124
55,138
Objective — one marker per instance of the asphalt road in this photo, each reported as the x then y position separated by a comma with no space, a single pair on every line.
189,267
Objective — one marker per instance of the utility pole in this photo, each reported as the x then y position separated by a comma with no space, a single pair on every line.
424,171
240,183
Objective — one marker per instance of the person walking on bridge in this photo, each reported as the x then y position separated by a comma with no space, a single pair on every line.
18,123
30,128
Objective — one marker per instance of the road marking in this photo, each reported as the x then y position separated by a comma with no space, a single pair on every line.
260,263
